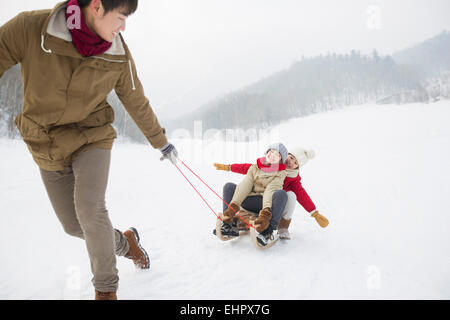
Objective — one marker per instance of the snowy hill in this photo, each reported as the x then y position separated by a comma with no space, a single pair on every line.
430,56
380,176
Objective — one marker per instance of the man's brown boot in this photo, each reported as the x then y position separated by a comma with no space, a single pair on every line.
105,295
136,252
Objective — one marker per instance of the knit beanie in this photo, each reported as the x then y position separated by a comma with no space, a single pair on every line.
281,149
302,155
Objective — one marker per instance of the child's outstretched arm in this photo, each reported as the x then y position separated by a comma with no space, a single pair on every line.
241,168
306,202
302,197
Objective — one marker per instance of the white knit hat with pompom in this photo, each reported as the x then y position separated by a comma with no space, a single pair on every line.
302,155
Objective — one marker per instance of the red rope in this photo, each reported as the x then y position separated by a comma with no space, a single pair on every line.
218,217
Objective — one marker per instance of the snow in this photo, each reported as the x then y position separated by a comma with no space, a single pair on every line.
380,176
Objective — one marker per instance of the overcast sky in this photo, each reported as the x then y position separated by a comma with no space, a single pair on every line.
191,51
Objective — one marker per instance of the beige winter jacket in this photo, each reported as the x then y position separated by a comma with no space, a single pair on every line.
65,109
258,182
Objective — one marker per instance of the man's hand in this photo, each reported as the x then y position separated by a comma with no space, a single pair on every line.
169,152
224,167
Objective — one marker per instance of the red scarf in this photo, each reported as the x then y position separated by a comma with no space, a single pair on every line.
87,42
264,166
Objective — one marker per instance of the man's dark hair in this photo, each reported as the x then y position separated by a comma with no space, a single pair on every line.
129,6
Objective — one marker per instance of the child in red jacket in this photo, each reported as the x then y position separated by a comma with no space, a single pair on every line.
292,185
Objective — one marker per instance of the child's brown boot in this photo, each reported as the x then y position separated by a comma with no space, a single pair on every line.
263,220
229,214
283,229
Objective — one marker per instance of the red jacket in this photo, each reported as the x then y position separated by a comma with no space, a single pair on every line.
290,184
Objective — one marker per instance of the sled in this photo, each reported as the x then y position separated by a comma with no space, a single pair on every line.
254,234
248,217
242,230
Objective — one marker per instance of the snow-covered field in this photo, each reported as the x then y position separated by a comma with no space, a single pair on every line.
381,176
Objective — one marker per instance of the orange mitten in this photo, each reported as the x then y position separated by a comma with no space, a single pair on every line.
224,167
321,220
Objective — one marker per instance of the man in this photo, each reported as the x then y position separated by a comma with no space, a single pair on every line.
71,57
